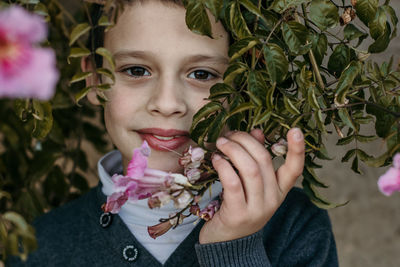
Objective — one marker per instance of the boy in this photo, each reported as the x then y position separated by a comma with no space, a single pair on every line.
163,76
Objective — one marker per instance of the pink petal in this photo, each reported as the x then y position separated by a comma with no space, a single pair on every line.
115,202
138,164
197,154
396,161
33,76
389,182
22,26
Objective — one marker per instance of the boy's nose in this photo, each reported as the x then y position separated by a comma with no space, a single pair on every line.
168,99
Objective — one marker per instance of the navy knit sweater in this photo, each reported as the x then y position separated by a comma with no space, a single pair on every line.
299,234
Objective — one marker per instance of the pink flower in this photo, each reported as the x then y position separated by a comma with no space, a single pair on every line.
163,227
390,181
25,70
280,148
208,212
115,202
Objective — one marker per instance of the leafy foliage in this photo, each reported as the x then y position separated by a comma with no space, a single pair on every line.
289,67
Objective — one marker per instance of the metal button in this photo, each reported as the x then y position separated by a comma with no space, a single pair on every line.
105,219
130,253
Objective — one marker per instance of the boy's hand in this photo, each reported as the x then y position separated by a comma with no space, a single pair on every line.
253,196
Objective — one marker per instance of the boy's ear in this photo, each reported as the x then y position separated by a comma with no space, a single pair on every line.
86,65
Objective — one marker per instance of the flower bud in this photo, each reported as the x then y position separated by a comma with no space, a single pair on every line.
194,209
193,175
208,212
280,148
182,200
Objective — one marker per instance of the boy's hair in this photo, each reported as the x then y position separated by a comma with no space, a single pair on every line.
96,37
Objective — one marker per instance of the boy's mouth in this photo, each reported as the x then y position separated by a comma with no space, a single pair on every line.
164,139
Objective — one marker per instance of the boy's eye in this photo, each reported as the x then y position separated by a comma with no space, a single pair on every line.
201,75
137,71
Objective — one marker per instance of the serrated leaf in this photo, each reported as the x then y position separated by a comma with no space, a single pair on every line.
216,127
297,37
351,32
80,76
366,138
78,31
205,111
349,154
233,70
346,140
281,6
242,107
366,10
277,63
324,14
220,90
107,55
378,25
339,59
196,18
237,22
240,47
382,42
290,107
354,165
319,46
77,52
42,127
346,81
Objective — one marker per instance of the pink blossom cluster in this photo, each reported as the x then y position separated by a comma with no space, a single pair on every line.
389,182
25,70
161,187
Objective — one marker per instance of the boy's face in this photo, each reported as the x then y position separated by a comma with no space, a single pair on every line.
163,74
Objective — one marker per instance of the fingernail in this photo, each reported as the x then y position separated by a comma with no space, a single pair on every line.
297,135
221,141
216,157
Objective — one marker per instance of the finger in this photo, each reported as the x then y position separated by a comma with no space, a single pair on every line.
234,195
258,135
250,173
260,155
294,163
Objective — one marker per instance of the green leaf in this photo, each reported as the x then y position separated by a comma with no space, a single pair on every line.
82,94
366,138
346,81
216,127
42,127
315,198
215,6
382,42
78,31
107,55
324,14
319,46
106,72
277,63
366,10
242,107
349,154
346,140
354,166
311,97
17,220
80,76
290,107
297,37
311,177
220,90
351,32
200,130
281,6
205,111
345,117
240,47
263,117
77,52
393,18
256,85
103,21
196,18
234,70
378,25
362,155
339,59
237,22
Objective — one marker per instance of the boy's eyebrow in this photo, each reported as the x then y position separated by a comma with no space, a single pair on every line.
192,58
